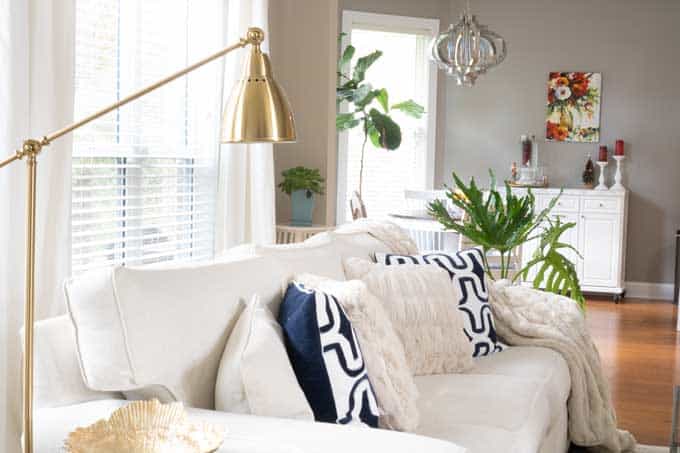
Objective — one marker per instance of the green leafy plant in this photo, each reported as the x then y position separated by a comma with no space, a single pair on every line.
368,107
302,178
556,273
505,222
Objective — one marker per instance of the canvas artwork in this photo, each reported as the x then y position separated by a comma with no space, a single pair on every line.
574,107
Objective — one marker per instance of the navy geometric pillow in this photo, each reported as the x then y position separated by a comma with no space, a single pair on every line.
325,355
467,273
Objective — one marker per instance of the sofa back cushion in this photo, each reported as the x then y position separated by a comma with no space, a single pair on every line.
137,328
164,330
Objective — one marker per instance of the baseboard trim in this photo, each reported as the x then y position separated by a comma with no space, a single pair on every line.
647,290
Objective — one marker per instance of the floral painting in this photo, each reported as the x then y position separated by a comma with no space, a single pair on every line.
574,107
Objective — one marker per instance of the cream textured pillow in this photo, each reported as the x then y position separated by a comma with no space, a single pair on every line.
255,375
418,301
381,347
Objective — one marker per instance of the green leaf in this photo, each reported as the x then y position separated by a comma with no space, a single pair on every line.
344,121
383,99
362,93
347,56
410,108
389,131
373,133
363,64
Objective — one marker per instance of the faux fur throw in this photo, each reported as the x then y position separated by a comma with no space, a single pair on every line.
390,233
527,317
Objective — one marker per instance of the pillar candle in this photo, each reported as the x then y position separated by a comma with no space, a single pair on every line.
618,151
602,157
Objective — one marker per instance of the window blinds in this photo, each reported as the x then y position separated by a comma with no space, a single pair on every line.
145,177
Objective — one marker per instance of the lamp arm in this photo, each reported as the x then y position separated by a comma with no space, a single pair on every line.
35,146
65,130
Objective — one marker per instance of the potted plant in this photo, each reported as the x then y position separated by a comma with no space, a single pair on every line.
301,183
503,222
368,108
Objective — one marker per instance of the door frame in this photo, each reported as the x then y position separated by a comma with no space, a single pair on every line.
426,26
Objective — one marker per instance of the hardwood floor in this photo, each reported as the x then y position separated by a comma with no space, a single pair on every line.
640,353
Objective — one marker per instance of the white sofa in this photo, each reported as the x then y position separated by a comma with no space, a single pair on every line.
514,401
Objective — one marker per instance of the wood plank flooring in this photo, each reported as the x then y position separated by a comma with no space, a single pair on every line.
640,353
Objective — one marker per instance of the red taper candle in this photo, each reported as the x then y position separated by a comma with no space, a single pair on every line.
602,157
618,150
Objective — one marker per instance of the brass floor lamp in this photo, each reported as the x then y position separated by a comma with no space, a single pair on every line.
257,112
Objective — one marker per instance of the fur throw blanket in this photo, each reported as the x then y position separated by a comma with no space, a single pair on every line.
527,317
394,237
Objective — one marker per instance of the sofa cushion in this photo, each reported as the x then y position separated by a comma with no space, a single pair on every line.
326,356
508,402
484,413
248,433
418,302
467,276
531,362
255,375
132,325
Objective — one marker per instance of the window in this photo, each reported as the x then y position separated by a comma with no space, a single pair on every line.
145,176
406,72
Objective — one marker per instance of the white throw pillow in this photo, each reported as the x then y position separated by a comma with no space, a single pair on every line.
418,301
255,374
381,347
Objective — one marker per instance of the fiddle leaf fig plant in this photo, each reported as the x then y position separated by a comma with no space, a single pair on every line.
368,107
302,178
505,222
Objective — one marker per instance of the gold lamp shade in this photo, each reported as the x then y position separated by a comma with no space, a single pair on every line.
258,110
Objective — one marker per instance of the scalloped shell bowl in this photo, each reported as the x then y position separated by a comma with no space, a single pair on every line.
146,427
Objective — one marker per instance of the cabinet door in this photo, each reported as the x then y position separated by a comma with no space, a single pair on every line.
598,237
571,237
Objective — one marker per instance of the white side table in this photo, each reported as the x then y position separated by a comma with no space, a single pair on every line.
288,234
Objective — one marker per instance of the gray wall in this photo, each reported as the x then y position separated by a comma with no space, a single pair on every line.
636,47
304,48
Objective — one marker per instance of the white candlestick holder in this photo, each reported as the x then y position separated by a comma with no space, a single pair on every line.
618,176
601,185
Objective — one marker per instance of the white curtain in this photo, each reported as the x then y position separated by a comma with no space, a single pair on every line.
246,195
36,97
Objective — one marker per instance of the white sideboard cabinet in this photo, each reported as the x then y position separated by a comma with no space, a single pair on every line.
599,236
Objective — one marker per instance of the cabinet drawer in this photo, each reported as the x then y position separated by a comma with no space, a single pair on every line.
566,203
601,204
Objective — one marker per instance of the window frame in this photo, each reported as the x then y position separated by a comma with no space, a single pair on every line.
198,241
352,19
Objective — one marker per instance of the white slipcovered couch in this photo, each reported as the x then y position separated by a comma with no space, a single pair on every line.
513,401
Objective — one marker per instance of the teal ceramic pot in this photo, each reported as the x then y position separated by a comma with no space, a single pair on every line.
302,206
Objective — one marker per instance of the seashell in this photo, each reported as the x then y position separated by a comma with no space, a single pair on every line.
146,427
